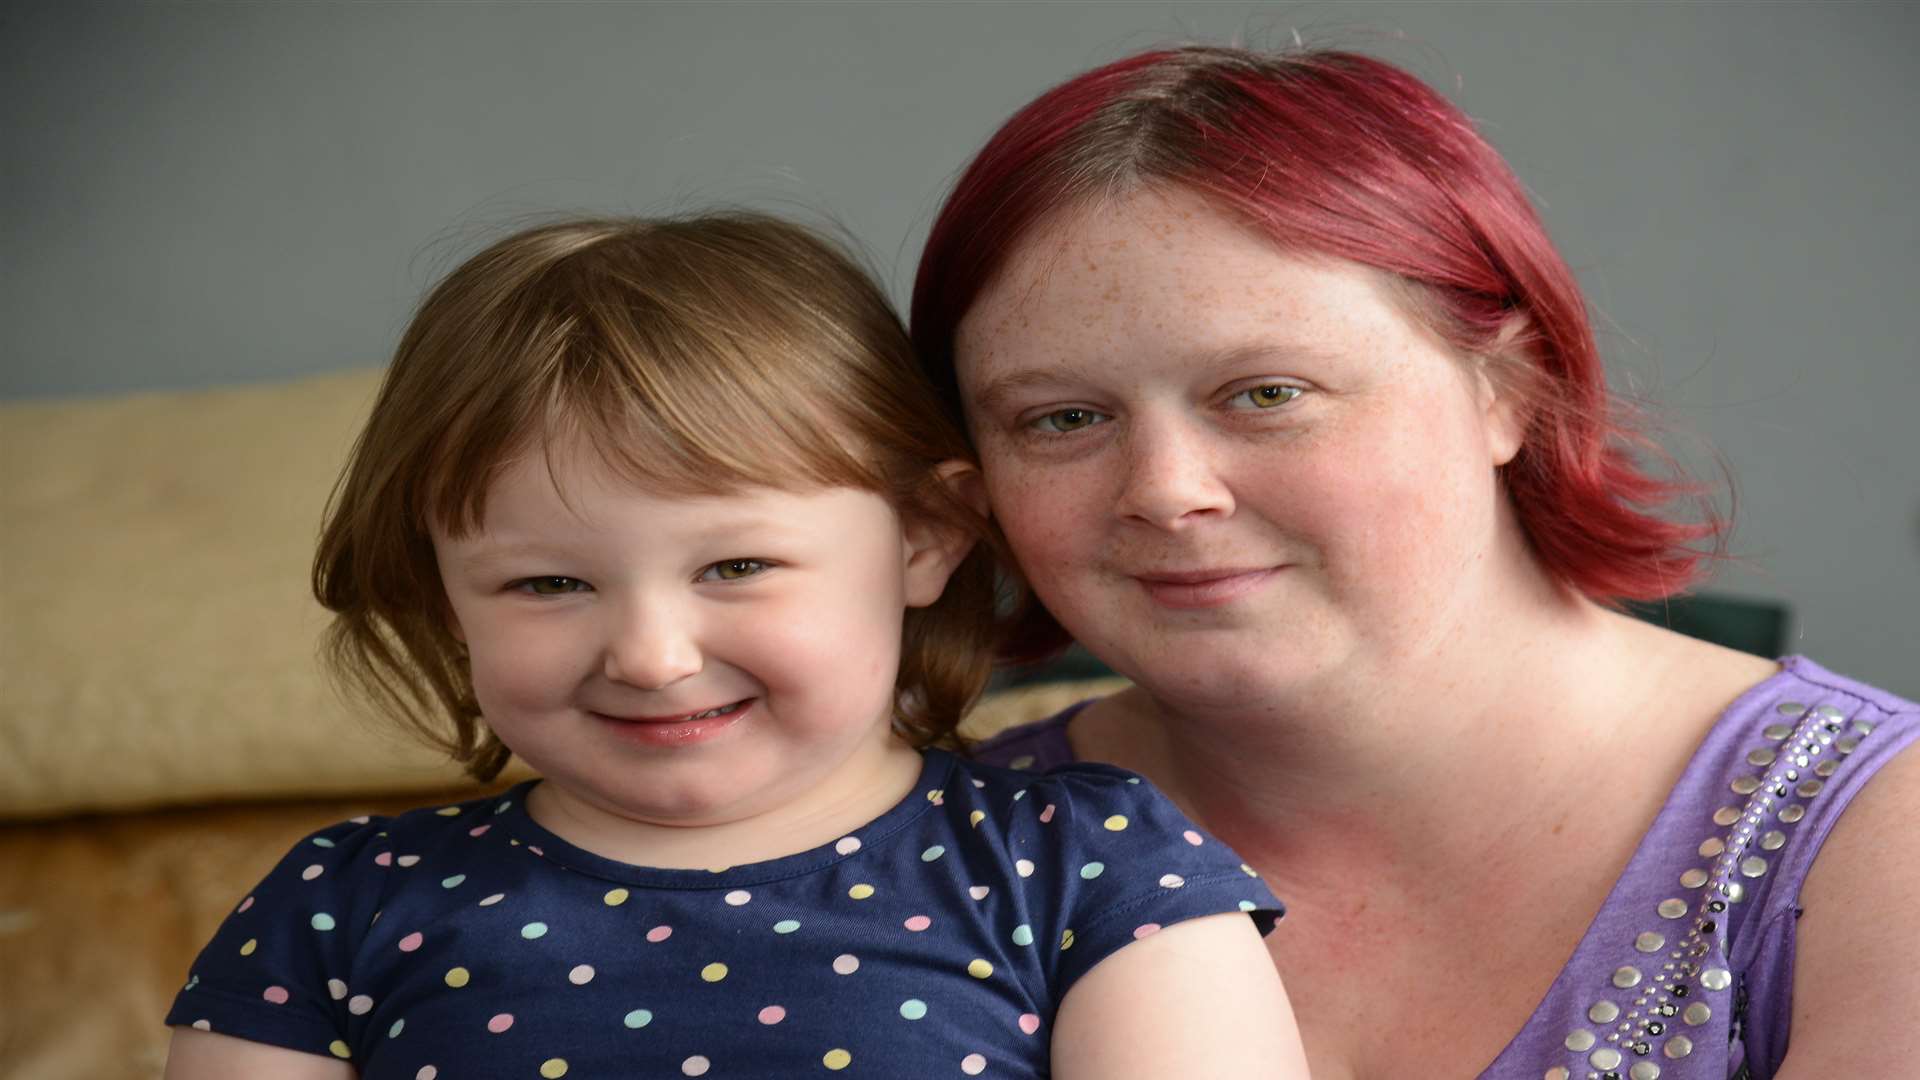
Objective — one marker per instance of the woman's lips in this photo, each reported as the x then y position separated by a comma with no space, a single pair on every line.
1188,589
682,730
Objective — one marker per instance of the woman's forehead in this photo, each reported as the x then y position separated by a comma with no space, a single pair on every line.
1160,270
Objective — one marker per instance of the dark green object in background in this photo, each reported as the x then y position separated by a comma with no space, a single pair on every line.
1754,626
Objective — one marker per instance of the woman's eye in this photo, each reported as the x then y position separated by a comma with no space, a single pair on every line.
733,570
551,586
1061,421
1270,395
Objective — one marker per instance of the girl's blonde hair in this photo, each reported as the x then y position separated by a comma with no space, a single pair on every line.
696,355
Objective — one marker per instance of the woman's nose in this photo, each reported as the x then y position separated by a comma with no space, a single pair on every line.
1171,480
651,647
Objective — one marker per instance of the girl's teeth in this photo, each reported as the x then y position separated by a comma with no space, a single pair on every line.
710,713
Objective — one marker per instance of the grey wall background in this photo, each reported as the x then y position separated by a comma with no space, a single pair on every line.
217,193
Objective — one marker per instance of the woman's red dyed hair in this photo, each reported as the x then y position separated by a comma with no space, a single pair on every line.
1339,154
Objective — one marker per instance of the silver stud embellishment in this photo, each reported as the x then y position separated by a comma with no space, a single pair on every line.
1604,1058
1649,942
1773,840
1558,1072
1716,978
1626,977
1673,909
1678,1047
1693,878
1579,1040
1697,1014
1790,708
1792,813
1762,756
1745,785
1753,866
1602,1012
1644,1070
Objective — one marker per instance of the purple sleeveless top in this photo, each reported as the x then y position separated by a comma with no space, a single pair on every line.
1686,972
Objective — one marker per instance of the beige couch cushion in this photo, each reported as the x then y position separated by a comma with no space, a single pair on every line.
158,640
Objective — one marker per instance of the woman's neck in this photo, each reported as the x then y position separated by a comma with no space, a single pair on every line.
1419,765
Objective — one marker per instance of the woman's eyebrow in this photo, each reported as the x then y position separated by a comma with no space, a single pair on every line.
1001,387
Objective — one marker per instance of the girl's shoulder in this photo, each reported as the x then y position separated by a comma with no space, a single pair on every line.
1036,746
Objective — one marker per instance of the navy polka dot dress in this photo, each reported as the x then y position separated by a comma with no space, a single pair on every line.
935,941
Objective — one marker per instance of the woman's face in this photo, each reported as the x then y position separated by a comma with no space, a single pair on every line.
1227,470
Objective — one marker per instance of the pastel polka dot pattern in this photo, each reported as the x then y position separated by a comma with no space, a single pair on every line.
861,943
339,1049
202,1025
1145,930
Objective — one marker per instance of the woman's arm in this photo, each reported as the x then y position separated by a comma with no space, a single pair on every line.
1199,998
205,1055
1856,982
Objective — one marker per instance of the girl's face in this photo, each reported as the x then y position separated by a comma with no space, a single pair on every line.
1226,470
686,661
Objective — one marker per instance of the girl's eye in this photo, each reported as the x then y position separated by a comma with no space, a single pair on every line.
733,570
1270,395
1061,421
551,586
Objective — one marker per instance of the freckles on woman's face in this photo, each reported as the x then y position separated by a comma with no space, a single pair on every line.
1207,454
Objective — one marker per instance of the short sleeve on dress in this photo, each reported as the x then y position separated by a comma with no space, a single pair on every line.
1116,861
280,968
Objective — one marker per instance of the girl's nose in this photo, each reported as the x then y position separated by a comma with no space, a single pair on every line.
651,647
1171,479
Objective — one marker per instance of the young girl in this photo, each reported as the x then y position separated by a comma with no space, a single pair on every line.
664,508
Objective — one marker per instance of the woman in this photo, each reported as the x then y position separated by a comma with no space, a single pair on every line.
1291,413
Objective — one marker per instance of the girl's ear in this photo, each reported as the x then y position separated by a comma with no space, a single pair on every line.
934,548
